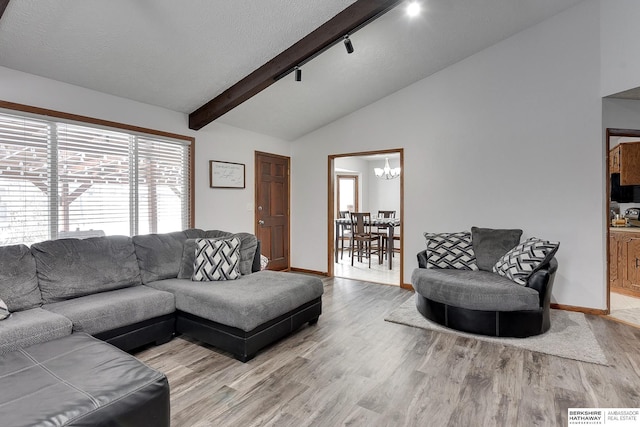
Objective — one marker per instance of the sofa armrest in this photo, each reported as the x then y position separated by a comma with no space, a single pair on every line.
542,281
256,259
422,259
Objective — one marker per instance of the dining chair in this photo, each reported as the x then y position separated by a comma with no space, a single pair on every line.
362,239
384,231
345,233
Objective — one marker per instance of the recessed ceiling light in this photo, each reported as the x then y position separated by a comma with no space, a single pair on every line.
413,8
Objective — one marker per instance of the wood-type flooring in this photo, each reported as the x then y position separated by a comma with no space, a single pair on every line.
355,369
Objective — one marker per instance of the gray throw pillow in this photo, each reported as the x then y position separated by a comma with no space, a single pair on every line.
489,245
188,257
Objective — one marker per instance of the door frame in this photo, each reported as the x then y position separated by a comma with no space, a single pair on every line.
331,183
256,201
611,132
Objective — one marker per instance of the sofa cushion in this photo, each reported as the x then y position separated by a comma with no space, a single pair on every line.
105,311
216,259
244,303
525,259
474,290
450,250
78,380
32,326
159,255
18,280
490,244
70,268
248,247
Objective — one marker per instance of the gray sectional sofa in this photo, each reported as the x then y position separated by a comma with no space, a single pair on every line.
133,291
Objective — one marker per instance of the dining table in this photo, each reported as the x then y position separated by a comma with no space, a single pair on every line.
389,223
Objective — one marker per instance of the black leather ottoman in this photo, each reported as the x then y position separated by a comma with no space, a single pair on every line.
78,380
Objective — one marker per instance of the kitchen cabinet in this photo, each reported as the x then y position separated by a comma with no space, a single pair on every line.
625,160
614,160
615,258
624,262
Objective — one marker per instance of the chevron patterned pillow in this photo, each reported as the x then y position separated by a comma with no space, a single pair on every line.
216,259
450,250
525,259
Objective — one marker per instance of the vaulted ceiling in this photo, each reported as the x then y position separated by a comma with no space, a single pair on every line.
181,55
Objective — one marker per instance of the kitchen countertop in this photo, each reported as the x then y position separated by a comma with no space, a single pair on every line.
625,229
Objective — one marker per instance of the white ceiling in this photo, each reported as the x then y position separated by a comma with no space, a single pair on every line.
179,55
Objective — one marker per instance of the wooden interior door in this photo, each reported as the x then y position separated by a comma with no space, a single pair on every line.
272,208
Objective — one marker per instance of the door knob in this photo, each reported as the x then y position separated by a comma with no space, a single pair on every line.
261,222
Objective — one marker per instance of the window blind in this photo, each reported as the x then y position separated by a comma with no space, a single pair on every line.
163,185
25,179
94,179
68,180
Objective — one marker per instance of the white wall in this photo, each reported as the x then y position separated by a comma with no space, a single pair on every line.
356,166
510,137
215,208
621,114
620,33
383,194
374,194
223,208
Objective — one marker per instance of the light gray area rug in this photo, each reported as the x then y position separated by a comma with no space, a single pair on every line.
570,335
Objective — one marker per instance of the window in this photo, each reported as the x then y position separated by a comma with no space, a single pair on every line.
62,179
347,190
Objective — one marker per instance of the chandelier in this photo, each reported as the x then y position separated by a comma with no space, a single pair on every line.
387,172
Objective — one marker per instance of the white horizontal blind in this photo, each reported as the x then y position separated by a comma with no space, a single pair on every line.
163,185
68,180
93,181
24,180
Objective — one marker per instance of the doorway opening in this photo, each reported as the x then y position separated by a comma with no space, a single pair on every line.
354,187
623,231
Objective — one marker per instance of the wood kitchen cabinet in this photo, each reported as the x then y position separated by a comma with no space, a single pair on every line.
615,258
625,160
624,262
614,160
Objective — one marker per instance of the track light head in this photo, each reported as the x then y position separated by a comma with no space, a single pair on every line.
347,44
298,72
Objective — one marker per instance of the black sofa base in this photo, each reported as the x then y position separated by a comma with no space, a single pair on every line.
515,324
158,330
244,345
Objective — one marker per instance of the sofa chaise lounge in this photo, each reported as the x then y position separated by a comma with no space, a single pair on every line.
134,291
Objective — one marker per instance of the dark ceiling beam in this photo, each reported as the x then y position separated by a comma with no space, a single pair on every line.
331,32
3,6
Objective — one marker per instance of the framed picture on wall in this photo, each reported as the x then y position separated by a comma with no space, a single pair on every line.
226,174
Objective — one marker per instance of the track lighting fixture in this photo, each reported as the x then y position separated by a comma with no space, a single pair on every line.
347,44
298,74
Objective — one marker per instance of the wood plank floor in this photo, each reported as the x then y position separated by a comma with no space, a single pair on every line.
355,369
